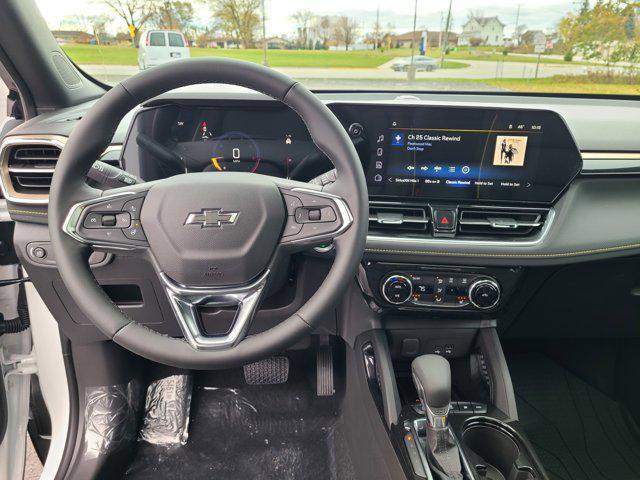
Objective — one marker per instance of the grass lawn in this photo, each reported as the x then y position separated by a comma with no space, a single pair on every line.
125,55
567,84
580,84
486,54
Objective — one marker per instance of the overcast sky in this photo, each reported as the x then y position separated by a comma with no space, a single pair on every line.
543,14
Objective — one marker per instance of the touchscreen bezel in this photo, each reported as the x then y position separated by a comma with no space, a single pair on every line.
557,152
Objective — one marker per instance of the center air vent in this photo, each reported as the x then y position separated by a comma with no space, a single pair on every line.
493,222
385,218
31,167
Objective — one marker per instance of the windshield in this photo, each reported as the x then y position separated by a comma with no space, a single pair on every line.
548,46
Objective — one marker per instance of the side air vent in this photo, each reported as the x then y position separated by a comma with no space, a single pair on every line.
31,167
503,222
27,165
385,218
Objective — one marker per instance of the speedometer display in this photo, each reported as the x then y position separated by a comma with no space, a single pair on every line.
235,152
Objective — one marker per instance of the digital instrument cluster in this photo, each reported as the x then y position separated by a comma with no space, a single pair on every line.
270,140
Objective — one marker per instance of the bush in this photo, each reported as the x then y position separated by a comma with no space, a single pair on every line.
568,57
505,52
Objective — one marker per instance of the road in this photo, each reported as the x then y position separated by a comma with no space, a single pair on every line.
348,76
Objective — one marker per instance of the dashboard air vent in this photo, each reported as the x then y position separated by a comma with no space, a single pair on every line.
31,167
493,222
386,218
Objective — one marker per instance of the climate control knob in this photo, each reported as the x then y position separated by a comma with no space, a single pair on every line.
397,289
484,293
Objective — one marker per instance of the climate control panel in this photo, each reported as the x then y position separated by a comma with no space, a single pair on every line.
446,289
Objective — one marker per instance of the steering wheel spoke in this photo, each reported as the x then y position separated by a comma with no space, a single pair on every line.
109,222
187,302
313,217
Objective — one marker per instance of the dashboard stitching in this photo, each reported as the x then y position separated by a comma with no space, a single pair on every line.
26,212
509,255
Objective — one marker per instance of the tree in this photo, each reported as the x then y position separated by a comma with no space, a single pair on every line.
303,19
173,15
601,32
322,29
345,30
134,12
93,24
238,18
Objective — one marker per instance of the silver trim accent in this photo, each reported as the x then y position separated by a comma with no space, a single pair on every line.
389,278
610,155
478,283
6,185
186,300
70,224
5,180
343,210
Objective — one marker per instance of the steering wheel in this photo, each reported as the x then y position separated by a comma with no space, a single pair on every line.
215,240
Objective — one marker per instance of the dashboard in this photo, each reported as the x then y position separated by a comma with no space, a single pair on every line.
572,187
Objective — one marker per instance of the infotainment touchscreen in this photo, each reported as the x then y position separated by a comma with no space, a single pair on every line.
467,153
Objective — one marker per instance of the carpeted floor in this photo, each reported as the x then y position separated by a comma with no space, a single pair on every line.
578,432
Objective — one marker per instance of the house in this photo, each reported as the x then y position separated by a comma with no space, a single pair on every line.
434,39
482,31
275,43
72,36
533,37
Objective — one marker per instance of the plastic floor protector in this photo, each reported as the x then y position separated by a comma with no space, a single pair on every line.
262,432
577,432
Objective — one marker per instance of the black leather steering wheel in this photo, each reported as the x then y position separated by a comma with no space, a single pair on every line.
214,239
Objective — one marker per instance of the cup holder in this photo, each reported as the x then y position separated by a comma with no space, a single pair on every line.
494,450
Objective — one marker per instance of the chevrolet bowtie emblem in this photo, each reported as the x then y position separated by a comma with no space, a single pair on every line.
212,217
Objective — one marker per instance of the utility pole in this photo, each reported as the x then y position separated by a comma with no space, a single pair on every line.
264,37
411,72
377,39
446,35
516,40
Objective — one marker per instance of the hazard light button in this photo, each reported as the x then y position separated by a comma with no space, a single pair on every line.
444,219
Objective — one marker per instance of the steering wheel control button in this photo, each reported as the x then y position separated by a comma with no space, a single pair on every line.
108,220
123,220
444,219
314,215
484,294
108,235
135,232
397,289
93,220
292,227
292,203
133,207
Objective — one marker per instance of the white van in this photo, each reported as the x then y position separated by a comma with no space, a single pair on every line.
161,46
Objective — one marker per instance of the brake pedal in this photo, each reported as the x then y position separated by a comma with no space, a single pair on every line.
324,368
270,371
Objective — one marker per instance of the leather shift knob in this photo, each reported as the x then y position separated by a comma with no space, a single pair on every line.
432,376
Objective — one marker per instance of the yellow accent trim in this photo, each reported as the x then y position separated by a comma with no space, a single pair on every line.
507,255
26,212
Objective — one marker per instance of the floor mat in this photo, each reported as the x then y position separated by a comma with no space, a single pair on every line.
261,432
578,433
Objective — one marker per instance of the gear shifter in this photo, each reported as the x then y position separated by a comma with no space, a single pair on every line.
432,378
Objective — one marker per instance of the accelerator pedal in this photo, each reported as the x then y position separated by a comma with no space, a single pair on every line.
270,371
324,368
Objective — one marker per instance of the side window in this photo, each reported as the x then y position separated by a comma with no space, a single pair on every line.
156,39
175,40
